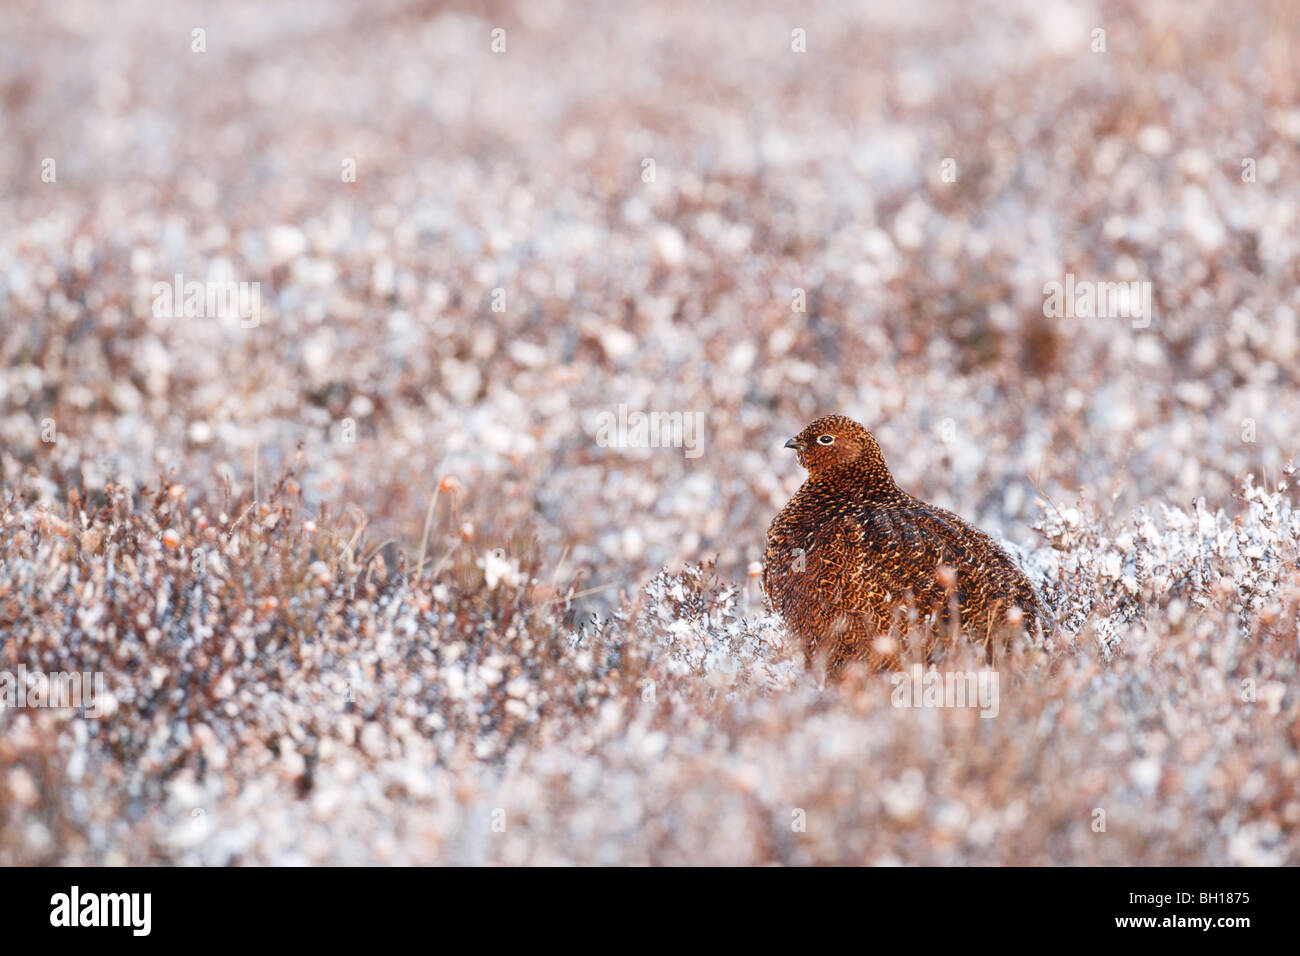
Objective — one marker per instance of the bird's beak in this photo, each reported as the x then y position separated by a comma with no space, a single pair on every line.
794,443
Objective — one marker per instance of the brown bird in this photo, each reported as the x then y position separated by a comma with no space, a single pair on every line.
852,553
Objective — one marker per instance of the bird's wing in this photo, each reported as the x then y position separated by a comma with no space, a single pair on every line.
988,572
877,558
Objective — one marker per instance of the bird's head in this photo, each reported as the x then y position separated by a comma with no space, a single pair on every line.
834,440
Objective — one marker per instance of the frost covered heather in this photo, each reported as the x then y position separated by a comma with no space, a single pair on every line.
277,708
392,572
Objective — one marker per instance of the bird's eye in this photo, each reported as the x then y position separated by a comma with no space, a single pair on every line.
826,440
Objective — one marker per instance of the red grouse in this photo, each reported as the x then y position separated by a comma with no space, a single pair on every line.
852,553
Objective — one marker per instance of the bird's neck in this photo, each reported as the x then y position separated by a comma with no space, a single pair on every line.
865,480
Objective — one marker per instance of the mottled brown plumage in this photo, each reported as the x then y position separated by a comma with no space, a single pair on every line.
852,553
